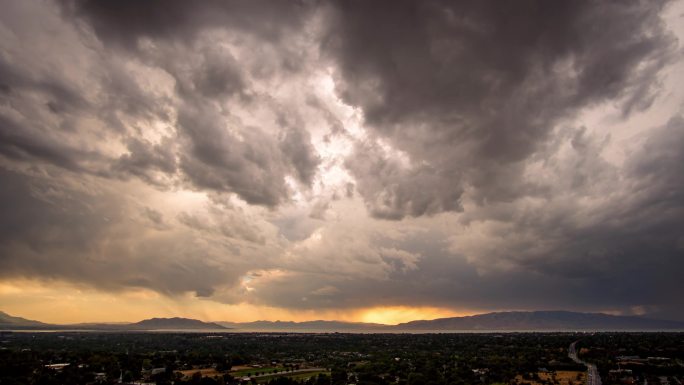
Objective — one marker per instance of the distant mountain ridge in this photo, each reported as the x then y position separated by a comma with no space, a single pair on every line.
500,321
520,320
174,323
8,320
542,320
304,325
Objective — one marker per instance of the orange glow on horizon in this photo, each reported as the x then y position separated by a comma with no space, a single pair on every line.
63,303
392,315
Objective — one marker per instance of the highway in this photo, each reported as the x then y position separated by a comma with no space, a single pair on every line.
593,377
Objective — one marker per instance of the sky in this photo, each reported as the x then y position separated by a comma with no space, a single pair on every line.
377,161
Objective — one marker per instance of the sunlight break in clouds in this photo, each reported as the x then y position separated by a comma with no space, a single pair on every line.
398,314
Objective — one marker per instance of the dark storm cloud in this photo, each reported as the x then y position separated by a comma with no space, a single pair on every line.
70,227
251,163
217,152
439,278
19,142
145,160
17,145
46,102
468,143
219,76
627,251
124,22
73,113
620,232
397,191
470,89
208,153
62,96
53,230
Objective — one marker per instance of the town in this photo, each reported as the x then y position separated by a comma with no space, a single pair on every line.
341,359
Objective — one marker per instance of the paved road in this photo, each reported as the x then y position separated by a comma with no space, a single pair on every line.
593,377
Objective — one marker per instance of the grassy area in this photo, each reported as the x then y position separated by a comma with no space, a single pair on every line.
254,371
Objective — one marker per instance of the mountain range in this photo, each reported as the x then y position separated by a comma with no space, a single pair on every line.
318,325
501,321
10,322
543,320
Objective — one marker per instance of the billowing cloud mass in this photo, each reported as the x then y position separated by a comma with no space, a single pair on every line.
334,156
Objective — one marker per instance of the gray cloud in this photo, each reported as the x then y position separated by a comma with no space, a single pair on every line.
599,237
197,147
393,190
469,90
219,160
127,21
219,76
78,236
147,160
93,119
182,151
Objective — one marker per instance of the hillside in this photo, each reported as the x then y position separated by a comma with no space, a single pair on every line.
8,321
533,320
303,326
542,320
172,323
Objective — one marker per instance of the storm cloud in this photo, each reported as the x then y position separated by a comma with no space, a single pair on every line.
347,154
470,90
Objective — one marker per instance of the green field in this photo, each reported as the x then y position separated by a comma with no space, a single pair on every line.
254,371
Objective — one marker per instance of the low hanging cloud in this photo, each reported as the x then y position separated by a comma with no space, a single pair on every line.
89,237
347,154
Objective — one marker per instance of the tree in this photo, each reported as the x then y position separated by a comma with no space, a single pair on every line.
416,379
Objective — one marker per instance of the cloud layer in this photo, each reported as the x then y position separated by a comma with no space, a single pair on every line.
345,155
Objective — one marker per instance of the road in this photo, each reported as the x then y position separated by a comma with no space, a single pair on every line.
593,377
